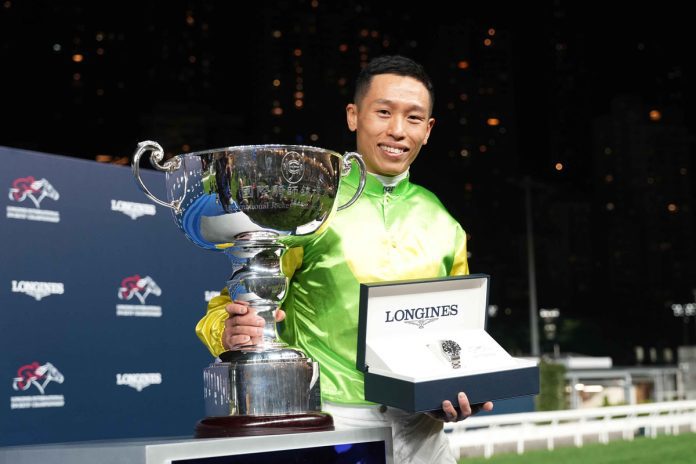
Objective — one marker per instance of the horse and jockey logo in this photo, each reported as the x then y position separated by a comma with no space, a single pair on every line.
38,375
139,287
24,188
35,190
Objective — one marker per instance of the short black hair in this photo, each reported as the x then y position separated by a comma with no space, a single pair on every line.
392,64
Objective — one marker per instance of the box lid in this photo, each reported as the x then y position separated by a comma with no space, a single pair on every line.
401,325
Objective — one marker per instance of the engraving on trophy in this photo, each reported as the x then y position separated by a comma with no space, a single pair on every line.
292,167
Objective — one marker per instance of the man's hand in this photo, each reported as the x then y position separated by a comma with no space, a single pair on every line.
451,414
244,327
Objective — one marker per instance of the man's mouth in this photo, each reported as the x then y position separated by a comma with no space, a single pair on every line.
392,150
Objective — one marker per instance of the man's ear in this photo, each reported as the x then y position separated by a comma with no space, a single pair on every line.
431,123
352,116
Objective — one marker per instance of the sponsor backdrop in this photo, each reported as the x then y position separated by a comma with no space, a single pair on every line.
99,297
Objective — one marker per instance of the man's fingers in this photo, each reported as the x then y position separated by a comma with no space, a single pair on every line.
450,412
279,315
237,308
253,328
250,319
235,341
464,405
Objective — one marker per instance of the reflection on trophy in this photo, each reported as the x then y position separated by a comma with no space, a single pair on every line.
243,201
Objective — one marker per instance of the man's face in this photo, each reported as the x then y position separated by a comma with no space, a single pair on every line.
392,122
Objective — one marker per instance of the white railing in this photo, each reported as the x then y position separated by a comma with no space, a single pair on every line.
577,424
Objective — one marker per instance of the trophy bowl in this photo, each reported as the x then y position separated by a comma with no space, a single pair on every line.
244,201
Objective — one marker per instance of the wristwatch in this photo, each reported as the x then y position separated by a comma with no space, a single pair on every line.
451,349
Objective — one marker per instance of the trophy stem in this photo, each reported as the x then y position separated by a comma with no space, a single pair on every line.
270,339
257,279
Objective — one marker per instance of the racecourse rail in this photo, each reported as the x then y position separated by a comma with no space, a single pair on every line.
600,424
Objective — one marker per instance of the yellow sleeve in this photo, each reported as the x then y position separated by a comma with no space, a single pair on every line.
210,328
460,266
291,261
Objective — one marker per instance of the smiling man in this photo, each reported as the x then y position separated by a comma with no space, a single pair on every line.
395,231
392,120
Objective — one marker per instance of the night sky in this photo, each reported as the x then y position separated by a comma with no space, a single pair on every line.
593,102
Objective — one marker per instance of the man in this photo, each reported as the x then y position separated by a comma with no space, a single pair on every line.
395,231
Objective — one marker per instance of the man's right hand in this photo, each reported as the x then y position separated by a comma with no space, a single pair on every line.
244,327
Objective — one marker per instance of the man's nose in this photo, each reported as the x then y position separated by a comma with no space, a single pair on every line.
396,128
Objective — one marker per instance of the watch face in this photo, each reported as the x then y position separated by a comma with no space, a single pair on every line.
450,347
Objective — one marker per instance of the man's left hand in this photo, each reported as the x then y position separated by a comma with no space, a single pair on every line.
451,414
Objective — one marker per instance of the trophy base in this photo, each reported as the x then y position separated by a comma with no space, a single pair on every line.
245,426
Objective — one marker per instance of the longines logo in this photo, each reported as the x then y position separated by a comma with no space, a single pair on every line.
37,290
38,376
421,316
28,188
133,210
139,288
139,380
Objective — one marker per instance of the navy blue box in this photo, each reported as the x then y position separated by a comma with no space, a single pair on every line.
400,332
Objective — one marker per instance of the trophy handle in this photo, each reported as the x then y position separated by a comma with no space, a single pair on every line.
155,159
346,169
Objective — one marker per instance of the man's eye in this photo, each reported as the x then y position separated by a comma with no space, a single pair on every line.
382,112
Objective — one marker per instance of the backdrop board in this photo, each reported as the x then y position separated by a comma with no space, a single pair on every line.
99,297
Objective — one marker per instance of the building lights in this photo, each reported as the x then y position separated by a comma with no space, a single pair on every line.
78,58
558,166
463,64
672,208
493,122
655,115
487,42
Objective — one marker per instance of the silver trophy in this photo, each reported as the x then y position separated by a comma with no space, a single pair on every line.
245,201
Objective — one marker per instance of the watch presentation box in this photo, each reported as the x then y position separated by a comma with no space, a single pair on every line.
421,342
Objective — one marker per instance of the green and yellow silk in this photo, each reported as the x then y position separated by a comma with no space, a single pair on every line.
390,233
